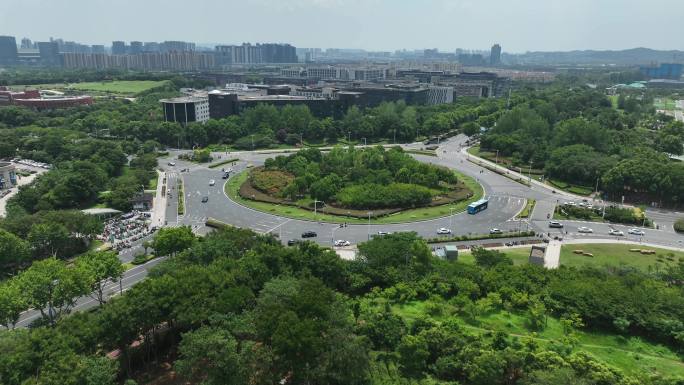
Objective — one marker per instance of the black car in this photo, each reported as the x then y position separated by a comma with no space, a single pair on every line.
309,234
205,199
293,242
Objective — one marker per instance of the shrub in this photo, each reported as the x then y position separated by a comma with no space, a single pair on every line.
679,226
371,196
139,259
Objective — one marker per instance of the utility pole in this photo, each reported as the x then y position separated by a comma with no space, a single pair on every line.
497,157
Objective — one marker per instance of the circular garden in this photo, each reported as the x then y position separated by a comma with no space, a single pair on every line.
349,185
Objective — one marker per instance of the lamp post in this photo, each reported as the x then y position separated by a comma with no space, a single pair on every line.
332,236
316,202
451,217
369,218
364,141
496,160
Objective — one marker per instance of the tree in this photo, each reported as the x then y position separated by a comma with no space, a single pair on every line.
413,354
171,240
12,303
52,288
48,239
100,268
13,250
98,370
210,354
490,258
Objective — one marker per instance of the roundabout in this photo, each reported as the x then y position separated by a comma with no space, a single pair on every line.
506,199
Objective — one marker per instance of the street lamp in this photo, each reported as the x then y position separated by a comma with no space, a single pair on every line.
497,157
451,217
369,218
364,141
316,202
332,237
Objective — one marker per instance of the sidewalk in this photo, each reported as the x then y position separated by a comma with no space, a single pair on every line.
159,203
21,180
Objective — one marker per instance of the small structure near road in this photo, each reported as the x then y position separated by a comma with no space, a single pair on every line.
8,176
547,256
451,252
537,255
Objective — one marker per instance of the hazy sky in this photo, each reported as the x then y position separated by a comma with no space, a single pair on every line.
518,25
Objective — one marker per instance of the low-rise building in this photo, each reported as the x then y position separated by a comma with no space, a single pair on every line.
186,109
8,175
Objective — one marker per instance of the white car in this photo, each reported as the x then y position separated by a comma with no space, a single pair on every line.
341,243
584,229
212,182
171,164
495,231
444,230
636,231
617,233
384,233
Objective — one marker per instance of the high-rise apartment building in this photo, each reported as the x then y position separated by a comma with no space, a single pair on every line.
118,48
8,50
495,56
136,47
26,43
49,52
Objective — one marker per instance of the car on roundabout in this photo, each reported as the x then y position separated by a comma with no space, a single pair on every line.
443,231
617,233
341,243
309,234
635,231
584,229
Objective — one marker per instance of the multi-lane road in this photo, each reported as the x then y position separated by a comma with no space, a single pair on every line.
506,197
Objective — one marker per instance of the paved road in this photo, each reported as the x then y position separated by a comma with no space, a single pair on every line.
507,198
130,278
502,208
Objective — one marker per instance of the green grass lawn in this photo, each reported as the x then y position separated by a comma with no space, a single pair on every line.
664,104
615,255
153,182
630,354
614,101
605,255
127,87
234,183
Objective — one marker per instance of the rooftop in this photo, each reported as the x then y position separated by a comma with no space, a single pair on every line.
184,99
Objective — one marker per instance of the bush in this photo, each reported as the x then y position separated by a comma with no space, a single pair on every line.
371,196
679,226
139,259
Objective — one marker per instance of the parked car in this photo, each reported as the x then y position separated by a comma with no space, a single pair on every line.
205,199
309,234
443,230
555,225
341,243
617,233
635,231
212,182
171,164
495,231
584,229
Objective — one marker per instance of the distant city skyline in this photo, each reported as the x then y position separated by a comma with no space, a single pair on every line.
374,25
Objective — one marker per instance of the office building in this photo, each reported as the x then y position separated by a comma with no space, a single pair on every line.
440,95
495,56
8,50
49,53
186,109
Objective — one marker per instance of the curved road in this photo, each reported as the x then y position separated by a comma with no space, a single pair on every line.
507,198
